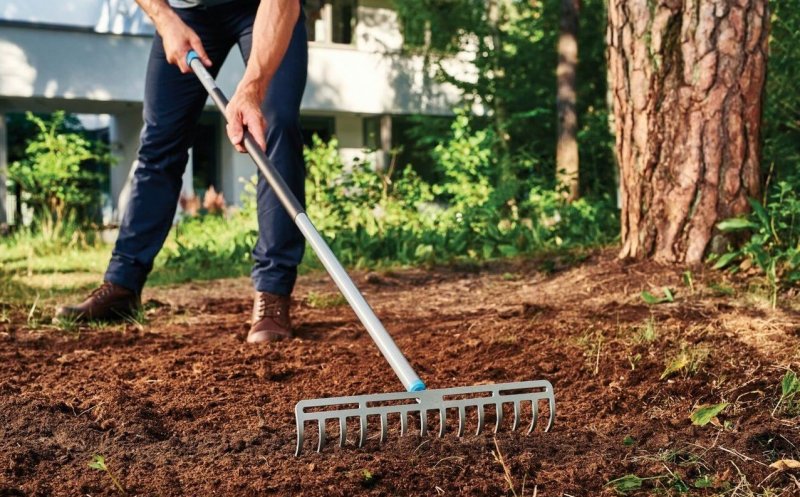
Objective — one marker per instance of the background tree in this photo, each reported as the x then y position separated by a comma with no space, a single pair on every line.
567,159
510,46
687,78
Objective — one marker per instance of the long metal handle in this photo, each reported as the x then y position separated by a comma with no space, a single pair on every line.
383,340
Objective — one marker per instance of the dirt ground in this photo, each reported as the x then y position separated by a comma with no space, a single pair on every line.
180,405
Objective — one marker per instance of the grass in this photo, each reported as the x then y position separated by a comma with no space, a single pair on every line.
27,276
647,332
592,344
325,300
687,361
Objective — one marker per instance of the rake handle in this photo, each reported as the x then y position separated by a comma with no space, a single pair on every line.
411,381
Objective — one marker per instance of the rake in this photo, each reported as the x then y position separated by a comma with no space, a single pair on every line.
417,402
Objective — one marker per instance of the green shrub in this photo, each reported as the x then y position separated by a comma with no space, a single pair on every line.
393,217
55,175
774,238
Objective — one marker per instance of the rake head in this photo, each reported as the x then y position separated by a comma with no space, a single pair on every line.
462,400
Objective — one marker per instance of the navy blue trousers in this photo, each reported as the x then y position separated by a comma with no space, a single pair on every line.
173,103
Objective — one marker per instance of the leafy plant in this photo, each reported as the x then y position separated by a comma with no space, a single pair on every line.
57,175
651,299
98,463
790,387
629,483
774,243
372,218
707,412
704,481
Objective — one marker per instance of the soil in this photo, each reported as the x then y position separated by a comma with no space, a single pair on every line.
181,405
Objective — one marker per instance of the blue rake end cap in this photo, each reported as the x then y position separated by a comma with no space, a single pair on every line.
191,56
417,386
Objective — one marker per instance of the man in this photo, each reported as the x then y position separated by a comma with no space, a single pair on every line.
271,36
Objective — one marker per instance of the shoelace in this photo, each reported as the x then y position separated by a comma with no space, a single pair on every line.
267,307
102,291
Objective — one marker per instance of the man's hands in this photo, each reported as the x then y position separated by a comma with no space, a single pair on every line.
244,112
178,40
272,31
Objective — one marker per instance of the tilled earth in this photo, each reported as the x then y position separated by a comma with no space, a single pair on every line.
180,405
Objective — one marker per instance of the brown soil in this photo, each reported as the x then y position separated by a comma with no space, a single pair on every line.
182,406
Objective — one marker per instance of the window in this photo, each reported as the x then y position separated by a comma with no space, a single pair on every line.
372,132
331,21
322,126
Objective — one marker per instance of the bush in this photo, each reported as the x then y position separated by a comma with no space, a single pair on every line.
55,175
390,217
774,238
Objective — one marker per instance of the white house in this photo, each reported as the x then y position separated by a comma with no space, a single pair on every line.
89,57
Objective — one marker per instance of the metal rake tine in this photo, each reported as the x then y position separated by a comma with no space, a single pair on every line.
551,401
423,422
480,419
462,414
516,416
300,437
362,430
384,427
321,442
442,421
342,431
403,423
498,408
535,405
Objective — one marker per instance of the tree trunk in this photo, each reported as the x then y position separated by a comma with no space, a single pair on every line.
687,78
567,160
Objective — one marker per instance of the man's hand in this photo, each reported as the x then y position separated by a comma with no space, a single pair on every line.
244,112
272,32
178,40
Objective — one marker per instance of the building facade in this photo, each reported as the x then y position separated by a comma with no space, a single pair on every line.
89,56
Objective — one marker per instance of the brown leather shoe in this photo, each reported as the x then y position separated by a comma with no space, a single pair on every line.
108,302
271,320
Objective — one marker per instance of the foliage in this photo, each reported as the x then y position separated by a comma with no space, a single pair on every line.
55,175
651,299
705,413
687,361
781,123
774,240
374,217
99,463
509,95
51,236
212,243
627,483
790,387
325,300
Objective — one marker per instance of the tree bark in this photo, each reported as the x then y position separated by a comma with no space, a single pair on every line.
687,79
567,159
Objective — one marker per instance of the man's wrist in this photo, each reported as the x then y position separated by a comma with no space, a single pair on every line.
253,85
164,18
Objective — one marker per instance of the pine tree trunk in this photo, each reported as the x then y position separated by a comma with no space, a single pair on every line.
567,159
687,79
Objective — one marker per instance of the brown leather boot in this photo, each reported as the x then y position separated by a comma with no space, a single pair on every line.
271,320
108,302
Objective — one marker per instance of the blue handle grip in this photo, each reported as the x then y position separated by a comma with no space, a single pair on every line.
417,386
190,57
